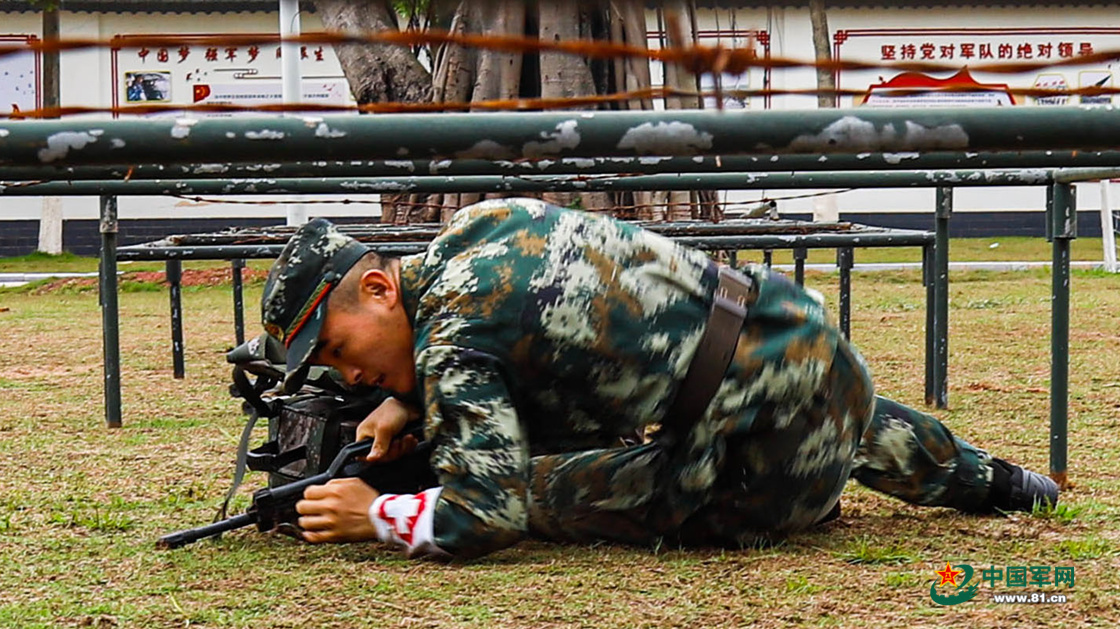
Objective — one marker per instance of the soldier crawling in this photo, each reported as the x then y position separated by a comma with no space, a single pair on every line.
538,342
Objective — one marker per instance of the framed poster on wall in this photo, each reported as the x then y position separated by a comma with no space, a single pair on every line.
19,77
197,71
968,51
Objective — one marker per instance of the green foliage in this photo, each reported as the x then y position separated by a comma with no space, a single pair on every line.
76,557
96,519
1062,512
1091,547
903,580
991,303
799,584
45,260
130,286
867,550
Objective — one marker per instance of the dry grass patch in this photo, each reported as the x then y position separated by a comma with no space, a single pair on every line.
80,506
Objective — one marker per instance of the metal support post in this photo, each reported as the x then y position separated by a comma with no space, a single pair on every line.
110,311
174,281
845,261
799,256
768,257
931,344
944,209
238,301
1063,229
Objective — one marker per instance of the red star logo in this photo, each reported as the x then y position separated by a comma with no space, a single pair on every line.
948,575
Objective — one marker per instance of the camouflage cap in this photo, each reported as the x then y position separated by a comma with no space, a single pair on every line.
295,294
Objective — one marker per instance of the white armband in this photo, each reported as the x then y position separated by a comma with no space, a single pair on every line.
407,520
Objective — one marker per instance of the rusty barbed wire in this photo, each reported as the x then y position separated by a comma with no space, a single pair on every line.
429,205
697,58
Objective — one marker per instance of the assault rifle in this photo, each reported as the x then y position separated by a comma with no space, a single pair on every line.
273,506
306,431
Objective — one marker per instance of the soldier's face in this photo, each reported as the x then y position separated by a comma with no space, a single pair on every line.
370,342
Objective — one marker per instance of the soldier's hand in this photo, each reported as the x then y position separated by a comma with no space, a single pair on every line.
382,425
337,512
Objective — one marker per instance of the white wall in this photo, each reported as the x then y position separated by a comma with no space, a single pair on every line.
791,37
87,80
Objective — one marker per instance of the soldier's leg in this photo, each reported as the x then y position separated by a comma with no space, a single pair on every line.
770,454
913,456
787,473
757,468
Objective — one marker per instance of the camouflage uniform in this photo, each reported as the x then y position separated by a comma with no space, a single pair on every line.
546,339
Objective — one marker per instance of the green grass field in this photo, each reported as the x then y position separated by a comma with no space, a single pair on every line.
81,505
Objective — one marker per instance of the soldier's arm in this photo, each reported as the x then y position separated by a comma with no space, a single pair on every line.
480,457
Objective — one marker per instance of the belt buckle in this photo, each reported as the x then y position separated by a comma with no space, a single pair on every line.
733,287
739,298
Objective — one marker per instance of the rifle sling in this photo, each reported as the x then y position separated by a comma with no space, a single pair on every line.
239,469
717,345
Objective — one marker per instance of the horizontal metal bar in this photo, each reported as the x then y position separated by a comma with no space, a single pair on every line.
569,183
570,166
532,135
900,238
424,232
808,241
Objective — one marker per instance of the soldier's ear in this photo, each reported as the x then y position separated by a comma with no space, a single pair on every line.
376,284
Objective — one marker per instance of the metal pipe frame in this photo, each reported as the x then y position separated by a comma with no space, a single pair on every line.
800,254
1063,229
845,260
570,166
893,238
928,275
236,266
517,136
943,210
535,135
559,183
110,311
174,276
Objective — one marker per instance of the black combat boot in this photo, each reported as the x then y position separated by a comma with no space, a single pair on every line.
1017,489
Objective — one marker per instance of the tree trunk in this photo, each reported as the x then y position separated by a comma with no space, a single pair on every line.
377,73
463,74
680,28
822,46
566,76
467,74
628,26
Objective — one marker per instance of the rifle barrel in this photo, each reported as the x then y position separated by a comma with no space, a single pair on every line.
190,536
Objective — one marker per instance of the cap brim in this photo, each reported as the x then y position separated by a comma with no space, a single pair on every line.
302,347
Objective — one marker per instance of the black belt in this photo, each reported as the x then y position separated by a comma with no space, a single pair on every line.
713,355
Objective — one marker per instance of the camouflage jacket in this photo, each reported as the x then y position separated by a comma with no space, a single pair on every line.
541,330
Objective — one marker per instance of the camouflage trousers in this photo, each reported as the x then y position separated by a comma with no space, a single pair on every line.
794,419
